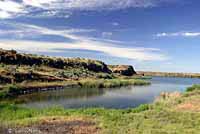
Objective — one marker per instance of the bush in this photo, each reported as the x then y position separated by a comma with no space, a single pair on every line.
10,91
104,76
194,87
141,108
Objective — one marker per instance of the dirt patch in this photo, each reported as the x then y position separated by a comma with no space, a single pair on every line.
57,126
168,96
190,105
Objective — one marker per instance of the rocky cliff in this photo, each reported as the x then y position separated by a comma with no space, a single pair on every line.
13,58
126,70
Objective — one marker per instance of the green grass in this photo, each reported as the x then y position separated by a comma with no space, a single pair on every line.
194,87
14,90
112,121
161,117
110,83
9,91
136,77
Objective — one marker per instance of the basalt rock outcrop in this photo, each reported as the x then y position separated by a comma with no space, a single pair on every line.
14,58
126,70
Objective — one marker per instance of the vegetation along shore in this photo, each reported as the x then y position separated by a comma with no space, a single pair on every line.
28,73
169,74
25,73
170,113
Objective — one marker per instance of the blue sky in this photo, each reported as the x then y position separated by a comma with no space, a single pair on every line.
151,35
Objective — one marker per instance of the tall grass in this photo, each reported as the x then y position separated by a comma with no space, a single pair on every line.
10,90
194,87
110,83
145,119
13,90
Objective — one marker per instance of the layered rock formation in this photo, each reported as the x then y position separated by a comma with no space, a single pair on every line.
126,70
14,58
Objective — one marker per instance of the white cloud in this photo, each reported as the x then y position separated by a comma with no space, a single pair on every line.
51,13
107,34
179,34
4,15
115,24
40,3
80,42
26,30
89,4
109,40
55,7
191,34
10,8
141,54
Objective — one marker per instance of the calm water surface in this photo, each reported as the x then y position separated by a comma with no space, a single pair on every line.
125,97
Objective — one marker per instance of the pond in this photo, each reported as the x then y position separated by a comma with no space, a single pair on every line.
119,98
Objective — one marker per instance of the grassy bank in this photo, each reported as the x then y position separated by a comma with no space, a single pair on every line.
102,83
13,90
27,73
169,74
170,114
193,88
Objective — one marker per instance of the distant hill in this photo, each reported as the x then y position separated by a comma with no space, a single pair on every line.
169,74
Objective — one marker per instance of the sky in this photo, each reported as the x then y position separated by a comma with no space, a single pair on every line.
151,35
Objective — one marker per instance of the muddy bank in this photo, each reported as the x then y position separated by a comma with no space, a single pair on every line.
56,126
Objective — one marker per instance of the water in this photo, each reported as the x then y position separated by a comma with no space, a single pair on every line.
125,97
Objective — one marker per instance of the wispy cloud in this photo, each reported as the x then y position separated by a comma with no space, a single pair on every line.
41,3
4,15
11,8
141,54
115,24
107,34
179,34
89,4
21,30
79,42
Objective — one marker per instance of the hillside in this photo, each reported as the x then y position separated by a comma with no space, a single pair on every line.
29,73
16,67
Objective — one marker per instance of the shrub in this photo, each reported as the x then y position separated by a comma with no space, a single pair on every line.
10,91
194,87
104,76
141,108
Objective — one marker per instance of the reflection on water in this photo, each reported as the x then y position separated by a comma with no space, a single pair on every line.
124,97
68,93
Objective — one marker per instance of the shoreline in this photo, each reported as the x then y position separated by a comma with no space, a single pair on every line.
14,90
168,111
169,74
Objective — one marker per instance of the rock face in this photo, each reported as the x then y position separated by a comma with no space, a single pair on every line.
126,70
14,58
